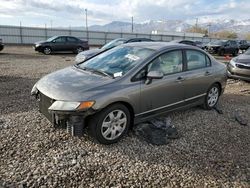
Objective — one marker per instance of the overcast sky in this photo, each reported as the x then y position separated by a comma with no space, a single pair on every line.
71,12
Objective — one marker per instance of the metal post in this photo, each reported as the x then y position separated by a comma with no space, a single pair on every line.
21,33
70,30
86,16
132,26
45,31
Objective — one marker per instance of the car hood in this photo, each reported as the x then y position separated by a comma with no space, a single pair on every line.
91,52
214,45
41,42
71,84
243,59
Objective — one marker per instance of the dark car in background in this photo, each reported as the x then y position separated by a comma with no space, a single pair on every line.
1,45
61,44
90,53
243,45
190,42
223,47
128,84
239,67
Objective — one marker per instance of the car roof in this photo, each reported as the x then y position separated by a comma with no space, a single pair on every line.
158,45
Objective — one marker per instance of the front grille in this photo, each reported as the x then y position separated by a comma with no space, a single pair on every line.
44,103
242,66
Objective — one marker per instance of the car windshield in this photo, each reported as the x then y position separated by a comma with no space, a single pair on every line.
247,52
113,43
51,38
118,61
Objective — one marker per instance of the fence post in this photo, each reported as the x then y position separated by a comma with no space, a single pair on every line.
45,31
105,37
21,33
161,37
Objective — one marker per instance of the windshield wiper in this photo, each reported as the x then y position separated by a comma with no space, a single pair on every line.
103,73
96,71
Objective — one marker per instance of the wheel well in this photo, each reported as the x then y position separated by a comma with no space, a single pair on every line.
219,84
129,106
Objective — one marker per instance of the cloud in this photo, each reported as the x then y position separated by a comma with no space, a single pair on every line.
67,12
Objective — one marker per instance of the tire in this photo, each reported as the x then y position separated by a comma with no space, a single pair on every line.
79,49
47,50
235,53
221,52
104,126
212,97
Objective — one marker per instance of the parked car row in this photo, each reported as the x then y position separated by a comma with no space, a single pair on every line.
1,45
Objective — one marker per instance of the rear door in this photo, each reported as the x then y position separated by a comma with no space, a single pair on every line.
72,43
198,75
162,94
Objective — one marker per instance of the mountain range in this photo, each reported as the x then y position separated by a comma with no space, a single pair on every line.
241,27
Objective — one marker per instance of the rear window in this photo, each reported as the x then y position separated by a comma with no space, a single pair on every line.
197,60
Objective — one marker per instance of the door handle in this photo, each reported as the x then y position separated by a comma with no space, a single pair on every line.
207,73
180,79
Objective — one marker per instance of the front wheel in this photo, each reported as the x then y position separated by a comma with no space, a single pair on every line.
212,97
111,124
47,50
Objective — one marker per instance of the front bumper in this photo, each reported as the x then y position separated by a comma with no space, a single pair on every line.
74,121
238,71
37,48
1,47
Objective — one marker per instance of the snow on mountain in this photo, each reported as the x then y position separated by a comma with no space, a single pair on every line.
239,26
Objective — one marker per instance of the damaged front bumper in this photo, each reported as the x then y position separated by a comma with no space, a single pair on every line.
70,115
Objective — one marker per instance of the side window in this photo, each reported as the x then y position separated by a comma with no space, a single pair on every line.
71,39
167,63
60,39
196,60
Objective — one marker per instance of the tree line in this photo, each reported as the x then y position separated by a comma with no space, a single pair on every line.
220,34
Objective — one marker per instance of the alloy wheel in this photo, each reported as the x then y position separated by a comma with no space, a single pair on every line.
114,124
213,96
47,51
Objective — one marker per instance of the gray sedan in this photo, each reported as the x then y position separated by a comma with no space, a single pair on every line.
239,67
129,84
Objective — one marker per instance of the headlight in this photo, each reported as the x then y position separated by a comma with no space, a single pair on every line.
34,90
70,106
233,62
37,45
80,58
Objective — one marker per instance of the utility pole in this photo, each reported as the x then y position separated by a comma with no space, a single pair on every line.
51,23
86,21
132,25
196,25
209,25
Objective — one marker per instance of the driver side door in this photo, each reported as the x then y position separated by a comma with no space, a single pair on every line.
160,95
59,44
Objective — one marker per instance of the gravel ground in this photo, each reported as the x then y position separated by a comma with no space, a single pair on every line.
213,151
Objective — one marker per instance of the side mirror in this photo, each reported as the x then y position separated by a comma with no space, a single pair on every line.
153,75
53,41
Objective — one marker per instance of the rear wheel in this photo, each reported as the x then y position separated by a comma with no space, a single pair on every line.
212,97
111,124
47,50
79,49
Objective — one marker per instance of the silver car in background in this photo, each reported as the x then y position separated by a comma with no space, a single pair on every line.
129,84
116,42
239,67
